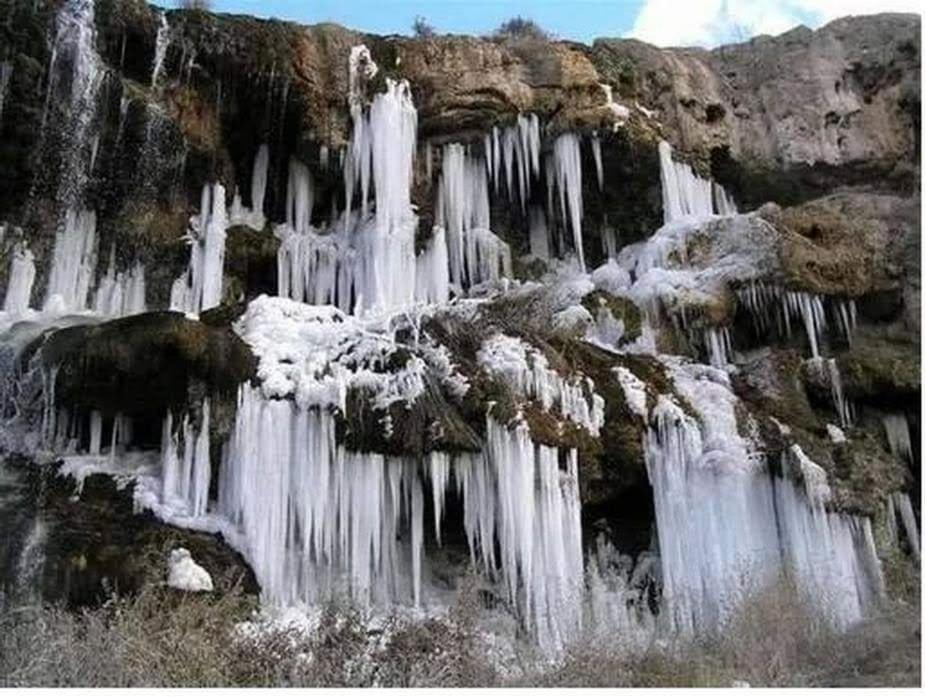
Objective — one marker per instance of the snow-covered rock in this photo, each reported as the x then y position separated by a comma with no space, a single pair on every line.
185,574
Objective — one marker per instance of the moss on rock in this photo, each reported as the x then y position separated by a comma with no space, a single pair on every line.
145,363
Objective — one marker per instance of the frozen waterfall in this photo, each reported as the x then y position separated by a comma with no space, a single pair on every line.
73,263
475,253
366,261
684,194
201,286
21,278
727,525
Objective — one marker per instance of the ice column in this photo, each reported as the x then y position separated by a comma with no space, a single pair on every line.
186,471
566,172
161,43
475,253
22,276
73,263
201,286
684,194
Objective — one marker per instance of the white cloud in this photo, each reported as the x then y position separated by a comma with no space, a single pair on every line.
713,22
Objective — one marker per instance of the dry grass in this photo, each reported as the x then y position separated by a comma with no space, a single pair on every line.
164,638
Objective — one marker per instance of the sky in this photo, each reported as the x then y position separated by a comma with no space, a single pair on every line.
662,22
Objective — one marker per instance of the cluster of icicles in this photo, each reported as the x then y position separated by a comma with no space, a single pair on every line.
72,274
314,519
771,306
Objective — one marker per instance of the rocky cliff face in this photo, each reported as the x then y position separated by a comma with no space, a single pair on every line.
811,110
523,267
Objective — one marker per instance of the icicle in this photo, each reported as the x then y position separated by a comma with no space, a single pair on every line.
537,525
439,478
123,294
96,432
313,513
433,270
768,304
475,253
898,436
598,162
6,74
201,286
22,276
368,264
719,346
73,263
723,203
907,516
417,537
725,525
567,173
299,197
254,217
825,370
185,476
684,194
161,43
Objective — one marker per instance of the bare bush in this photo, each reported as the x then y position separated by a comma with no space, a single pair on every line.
198,5
423,29
521,28
160,637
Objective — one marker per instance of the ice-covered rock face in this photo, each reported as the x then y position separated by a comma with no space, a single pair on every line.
185,574
396,306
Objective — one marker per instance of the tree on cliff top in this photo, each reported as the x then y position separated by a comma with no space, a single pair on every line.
423,29
521,28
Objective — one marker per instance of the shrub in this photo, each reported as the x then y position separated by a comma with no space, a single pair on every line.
422,29
163,638
521,28
198,5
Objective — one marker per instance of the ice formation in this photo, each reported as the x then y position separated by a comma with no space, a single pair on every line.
706,477
186,471
598,162
254,217
474,252
534,517
566,173
315,519
161,44
825,371
770,305
73,262
526,370
719,346
120,294
684,194
291,499
367,261
902,502
896,427
6,75
184,574
201,286
21,278
317,353
514,150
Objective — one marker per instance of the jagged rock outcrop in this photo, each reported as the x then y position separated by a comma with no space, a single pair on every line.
785,118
